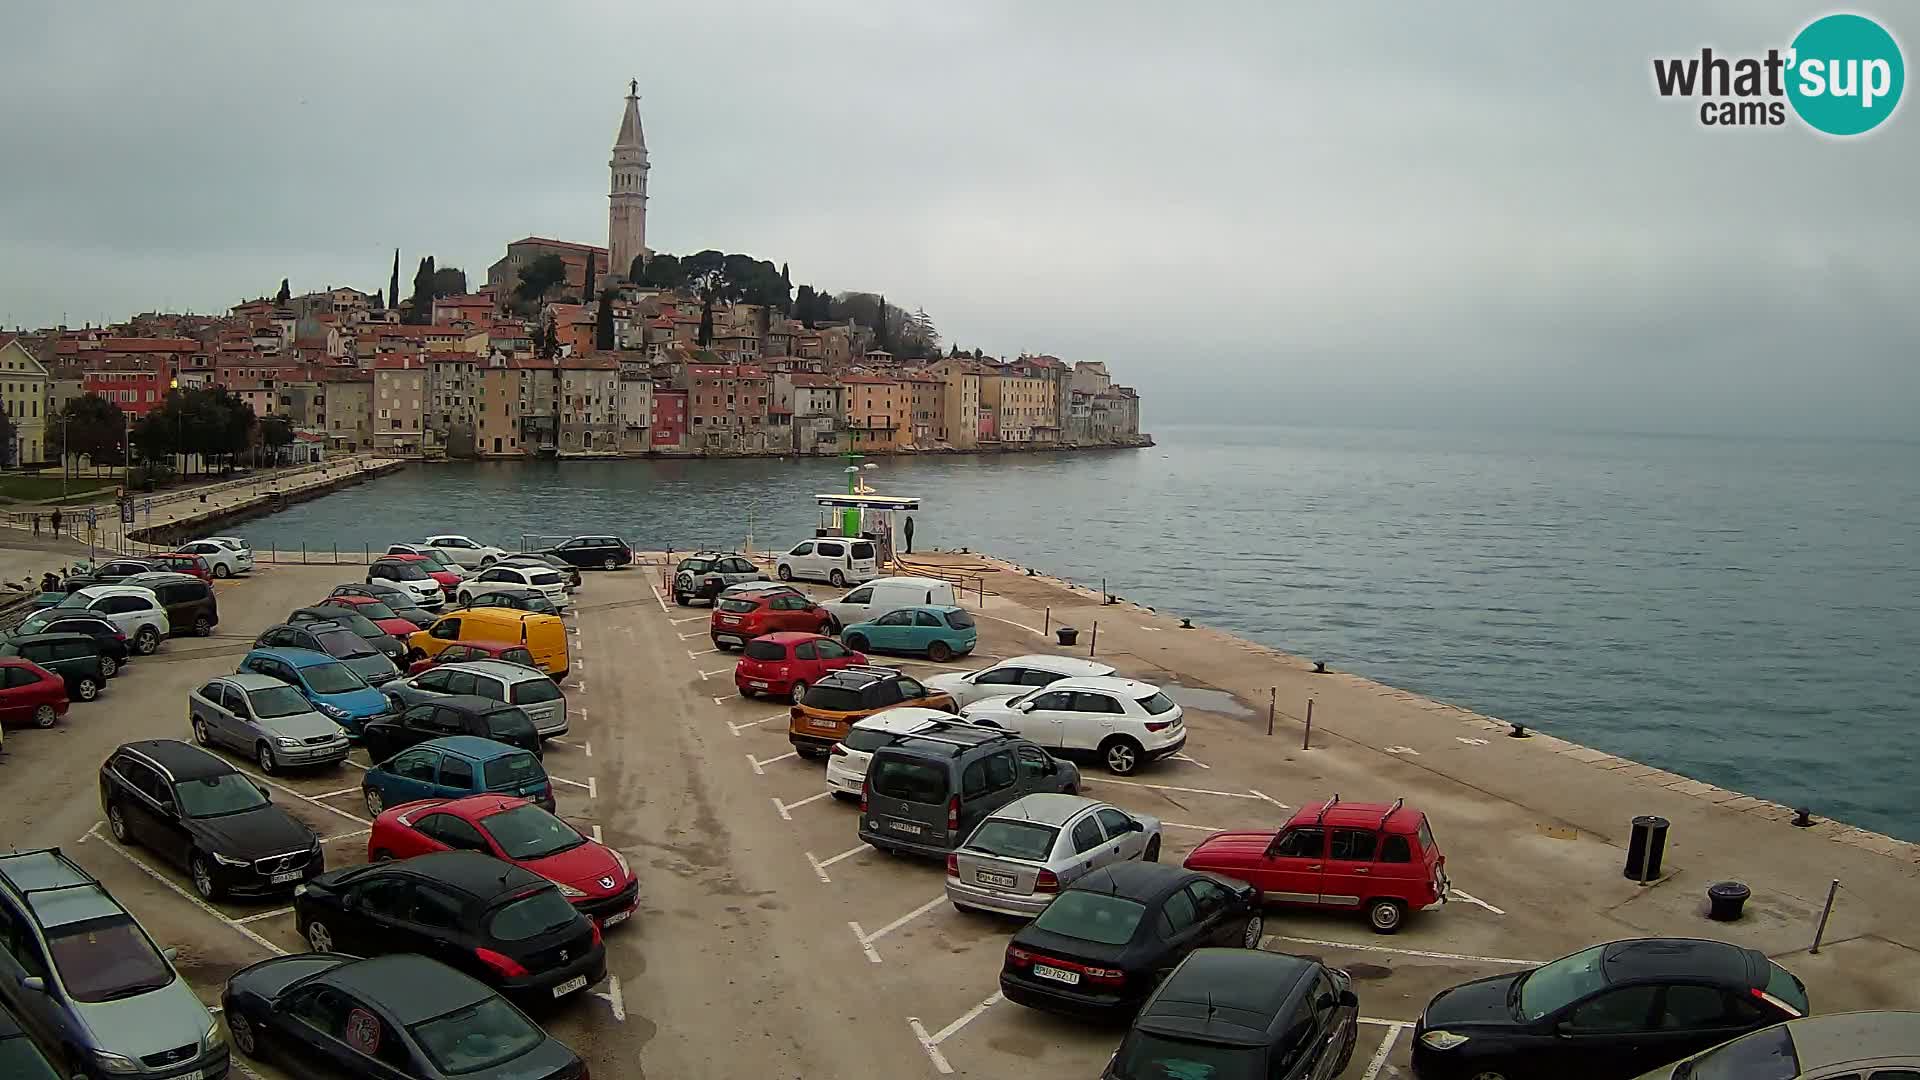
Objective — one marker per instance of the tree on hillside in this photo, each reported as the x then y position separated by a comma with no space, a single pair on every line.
603,323
449,281
89,425
549,347
919,339
9,439
537,277
882,337
420,305
785,278
393,287
586,288
379,299
284,294
803,305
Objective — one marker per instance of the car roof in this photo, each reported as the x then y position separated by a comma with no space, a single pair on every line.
1140,881
311,626
56,635
1071,666
95,592
353,600
1394,817
472,746
298,658
409,987
1045,808
1836,1038
1232,996
857,678
252,680
1697,958
318,611
472,703
903,719
157,577
1132,688
503,669
184,762
486,588
472,872
910,582
791,637
473,807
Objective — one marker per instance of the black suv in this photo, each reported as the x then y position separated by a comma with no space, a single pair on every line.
1245,1013
604,552
74,657
925,792
200,813
703,574
112,640
189,601
458,714
389,646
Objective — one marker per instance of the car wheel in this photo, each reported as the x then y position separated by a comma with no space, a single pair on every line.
1153,850
939,652
382,855
319,936
147,640
108,665
202,874
610,563
241,1029
1250,937
117,825
222,570
749,693
1385,916
857,642
45,716
87,688
200,732
799,690
264,755
833,626
1121,756
837,579
375,804
486,561
722,646
201,627
680,599
784,572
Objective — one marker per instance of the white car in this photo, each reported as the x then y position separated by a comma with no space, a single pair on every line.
1126,723
839,561
464,549
847,765
410,578
881,595
1016,675
548,582
224,559
135,610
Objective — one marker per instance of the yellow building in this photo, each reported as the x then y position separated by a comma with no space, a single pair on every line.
24,385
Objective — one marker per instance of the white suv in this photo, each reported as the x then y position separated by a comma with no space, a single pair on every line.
1014,676
538,578
839,561
464,550
1126,723
847,765
135,610
224,559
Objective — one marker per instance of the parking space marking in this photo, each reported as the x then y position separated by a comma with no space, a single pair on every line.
705,675
692,618
304,798
1468,897
866,940
661,600
1379,1059
355,764
759,767
1502,961
344,835
931,1043
1182,825
596,836
820,865
335,794
263,915
724,700
194,900
1010,622
1270,799
784,807
1191,761
738,728
613,999
1170,787
593,792
691,655
690,637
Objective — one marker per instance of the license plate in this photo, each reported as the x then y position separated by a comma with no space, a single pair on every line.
617,918
1071,978
905,827
196,1074
728,620
988,877
823,725
756,684
578,982
281,879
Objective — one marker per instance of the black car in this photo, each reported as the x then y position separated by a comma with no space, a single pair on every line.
1611,1011
1107,940
73,657
602,552
328,1015
200,813
390,647
337,641
190,603
499,923
20,1057
516,597
1243,1013
461,714
111,572
112,641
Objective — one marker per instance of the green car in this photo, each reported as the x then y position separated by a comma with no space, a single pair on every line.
940,632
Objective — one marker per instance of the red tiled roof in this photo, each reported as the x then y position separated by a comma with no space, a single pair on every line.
805,379
397,363
590,362
874,380
132,344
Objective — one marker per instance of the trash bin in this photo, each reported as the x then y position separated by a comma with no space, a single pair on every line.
1725,899
1646,847
1067,635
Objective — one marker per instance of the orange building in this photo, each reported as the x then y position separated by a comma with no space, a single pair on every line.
879,413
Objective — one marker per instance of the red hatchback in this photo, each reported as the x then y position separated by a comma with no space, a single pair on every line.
1348,856
30,694
784,665
474,650
445,579
745,614
184,562
593,877
376,612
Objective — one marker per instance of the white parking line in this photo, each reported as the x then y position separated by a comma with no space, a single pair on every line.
820,865
593,792
660,599
1503,961
738,728
1170,787
724,700
1191,761
1468,897
355,764
1010,622
759,767
345,835
690,637
705,675
784,807
194,900
691,618
274,914
1269,798
1379,1059
596,836
613,998
931,1043
691,655
331,794
1195,828
305,798
866,940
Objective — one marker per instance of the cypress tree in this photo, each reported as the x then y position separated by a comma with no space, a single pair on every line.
393,287
603,321
284,294
881,339
586,293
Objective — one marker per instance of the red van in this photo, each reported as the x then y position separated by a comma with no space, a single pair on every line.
1368,857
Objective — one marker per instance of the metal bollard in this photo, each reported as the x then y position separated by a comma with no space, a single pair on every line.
1306,737
1821,930
1095,642
1046,623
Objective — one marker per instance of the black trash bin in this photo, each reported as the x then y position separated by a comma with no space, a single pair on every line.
1067,635
1646,847
1725,899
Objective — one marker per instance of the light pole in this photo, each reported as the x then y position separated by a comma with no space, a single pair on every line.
179,427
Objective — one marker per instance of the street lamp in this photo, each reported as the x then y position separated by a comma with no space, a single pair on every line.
179,427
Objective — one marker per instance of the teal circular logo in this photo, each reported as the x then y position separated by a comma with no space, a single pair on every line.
1846,74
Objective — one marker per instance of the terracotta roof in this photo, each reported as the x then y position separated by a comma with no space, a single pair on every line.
133,344
439,356
805,379
556,243
872,380
590,362
397,363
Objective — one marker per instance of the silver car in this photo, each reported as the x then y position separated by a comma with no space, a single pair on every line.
496,680
265,719
1024,853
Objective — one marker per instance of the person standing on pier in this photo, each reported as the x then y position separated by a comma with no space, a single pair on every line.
908,529
56,521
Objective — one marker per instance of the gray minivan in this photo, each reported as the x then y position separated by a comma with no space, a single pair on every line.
497,680
927,791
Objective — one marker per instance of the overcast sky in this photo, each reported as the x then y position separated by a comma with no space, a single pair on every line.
1347,213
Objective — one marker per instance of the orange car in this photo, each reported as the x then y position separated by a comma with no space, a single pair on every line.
832,705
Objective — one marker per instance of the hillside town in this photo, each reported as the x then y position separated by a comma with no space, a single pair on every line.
576,350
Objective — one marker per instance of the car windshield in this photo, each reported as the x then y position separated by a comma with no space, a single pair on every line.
375,610
833,699
277,701
524,659
867,739
531,915
344,644
697,566
764,650
477,1037
106,959
1014,839
528,832
357,623
439,561
513,771
535,691
214,796
1092,916
1767,1054
74,600
36,623
546,579
1566,980
738,607
332,679
1144,1056
407,571
909,780
509,724
959,620
1156,703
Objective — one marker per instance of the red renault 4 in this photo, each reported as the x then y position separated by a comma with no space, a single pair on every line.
1368,857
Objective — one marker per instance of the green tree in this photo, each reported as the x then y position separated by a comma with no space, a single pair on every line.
712,285
449,281
284,294
537,277
803,305
586,289
393,287
91,426
662,271
276,434
882,337
603,323
549,344
9,435
379,299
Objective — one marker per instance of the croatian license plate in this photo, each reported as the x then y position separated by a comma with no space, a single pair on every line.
905,827
282,879
988,877
196,1074
729,620
756,684
1071,978
617,918
578,982
823,725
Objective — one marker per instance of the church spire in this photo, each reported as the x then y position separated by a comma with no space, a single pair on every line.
630,131
627,195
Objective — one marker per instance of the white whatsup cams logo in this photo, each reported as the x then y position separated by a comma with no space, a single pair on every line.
1842,75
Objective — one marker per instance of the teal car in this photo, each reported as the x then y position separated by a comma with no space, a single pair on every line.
941,633
454,767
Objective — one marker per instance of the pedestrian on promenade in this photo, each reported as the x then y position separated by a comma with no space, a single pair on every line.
36,524
56,521
909,532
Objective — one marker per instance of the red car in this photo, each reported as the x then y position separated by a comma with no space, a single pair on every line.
741,615
378,613
30,694
475,650
1345,856
446,579
784,665
184,562
594,877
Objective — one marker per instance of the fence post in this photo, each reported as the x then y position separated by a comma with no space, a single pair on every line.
1095,642
303,553
1046,624
1306,740
1821,930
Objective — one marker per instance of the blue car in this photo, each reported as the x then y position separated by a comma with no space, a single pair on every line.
453,767
336,692
938,631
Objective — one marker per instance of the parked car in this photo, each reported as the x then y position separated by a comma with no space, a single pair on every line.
594,878
784,665
739,618
847,763
201,814
881,595
73,657
379,613
1372,857
237,543
447,579
225,560
1018,858
110,572
411,578
938,633
136,611
1015,675
839,561
43,600
189,601
462,651
831,705
526,577
927,792
1867,1045
1101,947
435,559
1605,1013
111,640
333,688
80,972
30,694
551,562
183,562
603,552
458,714
265,719
396,1015
21,1057
1245,1013
702,575
464,550
393,648
1123,723
494,679
512,597
389,593
456,766
505,926
544,636
336,641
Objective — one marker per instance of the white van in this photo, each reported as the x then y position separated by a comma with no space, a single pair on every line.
881,595
836,560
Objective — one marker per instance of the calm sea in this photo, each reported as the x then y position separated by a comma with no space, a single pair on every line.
1744,612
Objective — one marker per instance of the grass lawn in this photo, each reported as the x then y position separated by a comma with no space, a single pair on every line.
32,487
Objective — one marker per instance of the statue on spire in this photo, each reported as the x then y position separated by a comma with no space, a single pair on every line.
633,88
